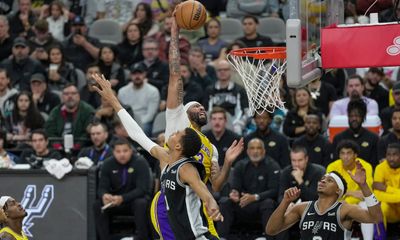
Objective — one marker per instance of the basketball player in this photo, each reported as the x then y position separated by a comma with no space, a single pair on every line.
178,117
182,186
14,214
326,218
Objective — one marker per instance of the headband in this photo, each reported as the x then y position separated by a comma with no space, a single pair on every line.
189,105
3,200
338,181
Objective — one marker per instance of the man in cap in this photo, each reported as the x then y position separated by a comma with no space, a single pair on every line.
40,43
326,218
44,99
15,214
142,97
21,67
386,113
79,48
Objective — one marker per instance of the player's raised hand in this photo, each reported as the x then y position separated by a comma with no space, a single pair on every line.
103,88
291,194
359,176
234,151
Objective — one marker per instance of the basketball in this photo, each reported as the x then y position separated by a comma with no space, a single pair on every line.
190,15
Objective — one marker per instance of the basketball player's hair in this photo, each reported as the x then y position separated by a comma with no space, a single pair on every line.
122,141
343,181
191,143
359,105
218,110
394,146
299,148
349,144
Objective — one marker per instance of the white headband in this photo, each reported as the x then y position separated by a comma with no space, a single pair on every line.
338,181
3,200
190,104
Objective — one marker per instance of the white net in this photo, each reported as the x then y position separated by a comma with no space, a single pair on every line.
261,78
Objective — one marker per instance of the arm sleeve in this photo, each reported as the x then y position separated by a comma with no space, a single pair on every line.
273,183
142,181
134,131
176,119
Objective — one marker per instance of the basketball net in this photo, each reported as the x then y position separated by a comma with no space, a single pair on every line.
261,78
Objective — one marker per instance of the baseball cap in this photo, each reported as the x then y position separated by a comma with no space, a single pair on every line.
137,68
38,77
78,20
396,87
20,41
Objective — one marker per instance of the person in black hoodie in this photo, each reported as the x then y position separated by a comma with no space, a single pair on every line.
110,68
130,49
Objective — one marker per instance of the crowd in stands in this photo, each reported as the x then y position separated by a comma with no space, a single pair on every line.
48,56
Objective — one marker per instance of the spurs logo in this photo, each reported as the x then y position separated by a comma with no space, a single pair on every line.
33,208
394,50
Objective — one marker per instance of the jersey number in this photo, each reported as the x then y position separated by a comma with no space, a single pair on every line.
199,157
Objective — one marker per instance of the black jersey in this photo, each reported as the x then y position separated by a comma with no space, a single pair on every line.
323,226
184,207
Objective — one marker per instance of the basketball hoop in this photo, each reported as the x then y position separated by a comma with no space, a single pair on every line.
261,69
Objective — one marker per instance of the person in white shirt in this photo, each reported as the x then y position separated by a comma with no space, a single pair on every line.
57,19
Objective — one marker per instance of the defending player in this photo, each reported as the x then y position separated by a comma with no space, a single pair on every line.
326,218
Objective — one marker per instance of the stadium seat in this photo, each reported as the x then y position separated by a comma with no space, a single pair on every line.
274,28
158,124
231,29
107,31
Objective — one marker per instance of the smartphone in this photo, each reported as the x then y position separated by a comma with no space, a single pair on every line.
53,67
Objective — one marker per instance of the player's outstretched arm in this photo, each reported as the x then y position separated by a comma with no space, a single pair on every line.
131,126
374,212
175,84
188,174
282,218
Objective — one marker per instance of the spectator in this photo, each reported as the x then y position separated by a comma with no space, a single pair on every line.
355,89
391,14
79,48
240,8
157,70
40,153
119,11
130,49
59,71
100,150
40,43
72,116
161,8
6,41
7,159
386,184
88,94
146,99
44,99
22,20
219,135
125,184
367,140
323,95
319,149
20,67
24,118
374,90
251,37
348,155
57,20
164,36
192,91
391,137
5,88
202,73
386,113
143,16
293,126
110,68
254,190
276,144
212,44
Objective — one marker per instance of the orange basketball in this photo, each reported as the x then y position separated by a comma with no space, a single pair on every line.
190,15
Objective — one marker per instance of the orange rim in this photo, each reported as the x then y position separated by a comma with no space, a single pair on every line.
261,52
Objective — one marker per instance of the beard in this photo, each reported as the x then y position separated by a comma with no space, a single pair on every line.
195,117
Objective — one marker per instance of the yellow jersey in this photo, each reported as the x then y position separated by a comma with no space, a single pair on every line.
351,185
205,155
391,178
14,234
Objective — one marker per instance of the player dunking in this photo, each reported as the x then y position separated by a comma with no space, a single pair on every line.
12,219
184,192
326,218
178,117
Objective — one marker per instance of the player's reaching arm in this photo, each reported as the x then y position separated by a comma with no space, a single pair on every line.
133,129
283,218
188,174
356,213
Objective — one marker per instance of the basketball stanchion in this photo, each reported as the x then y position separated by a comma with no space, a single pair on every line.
261,70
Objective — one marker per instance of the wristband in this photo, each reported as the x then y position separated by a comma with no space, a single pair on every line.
257,197
371,200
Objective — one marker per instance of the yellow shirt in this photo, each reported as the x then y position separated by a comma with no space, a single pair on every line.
205,154
14,234
391,178
351,185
